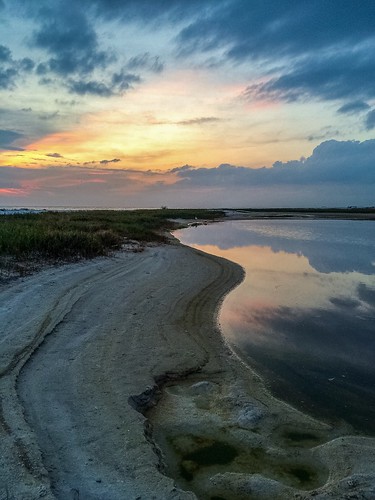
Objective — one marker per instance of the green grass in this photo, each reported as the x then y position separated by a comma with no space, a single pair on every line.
62,236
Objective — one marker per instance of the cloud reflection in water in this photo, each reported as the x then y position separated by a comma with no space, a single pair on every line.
304,316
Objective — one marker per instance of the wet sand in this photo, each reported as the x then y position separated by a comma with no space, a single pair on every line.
114,374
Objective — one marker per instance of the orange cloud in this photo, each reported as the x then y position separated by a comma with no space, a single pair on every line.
13,192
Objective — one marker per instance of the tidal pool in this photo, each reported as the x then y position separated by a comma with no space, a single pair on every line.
304,317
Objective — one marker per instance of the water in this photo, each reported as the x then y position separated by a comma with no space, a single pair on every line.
304,317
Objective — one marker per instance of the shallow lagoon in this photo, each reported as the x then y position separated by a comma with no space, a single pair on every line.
304,316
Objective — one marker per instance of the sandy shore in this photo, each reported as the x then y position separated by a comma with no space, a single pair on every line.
86,351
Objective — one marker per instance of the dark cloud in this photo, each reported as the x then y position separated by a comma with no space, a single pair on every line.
345,302
77,58
11,69
105,162
318,49
91,87
26,64
70,39
5,54
119,83
8,78
7,138
122,80
199,121
325,133
347,162
32,123
146,61
370,120
269,29
150,11
64,102
48,116
367,294
54,155
343,75
353,107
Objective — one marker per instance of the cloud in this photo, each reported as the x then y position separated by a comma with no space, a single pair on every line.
149,11
265,29
306,50
7,78
325,133
5,54
146,61
48,116
7,138
339,163
367,294
70,39
344,75
70,185
105,162
118,84
11,69
301,51
370,120
77,57
336,174
124,81
199,121
353,107
91,87
54,155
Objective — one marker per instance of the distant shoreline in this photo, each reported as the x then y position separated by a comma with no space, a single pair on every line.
301,213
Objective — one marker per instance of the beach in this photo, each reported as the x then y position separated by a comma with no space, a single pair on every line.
104,363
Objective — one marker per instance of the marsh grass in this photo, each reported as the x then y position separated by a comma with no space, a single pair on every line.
28,239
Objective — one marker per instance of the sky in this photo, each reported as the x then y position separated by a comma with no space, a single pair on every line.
199,103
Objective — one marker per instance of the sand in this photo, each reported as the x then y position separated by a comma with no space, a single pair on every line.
112,368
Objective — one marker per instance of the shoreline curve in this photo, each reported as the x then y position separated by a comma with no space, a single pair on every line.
82,341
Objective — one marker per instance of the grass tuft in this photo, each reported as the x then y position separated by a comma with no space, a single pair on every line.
28,239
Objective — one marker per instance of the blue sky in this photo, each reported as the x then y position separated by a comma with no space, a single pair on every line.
202,103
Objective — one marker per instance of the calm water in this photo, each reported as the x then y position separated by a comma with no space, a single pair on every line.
305,315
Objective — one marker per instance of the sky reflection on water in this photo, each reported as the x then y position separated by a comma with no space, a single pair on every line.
304,316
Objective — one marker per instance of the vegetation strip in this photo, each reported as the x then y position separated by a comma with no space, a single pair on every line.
29,239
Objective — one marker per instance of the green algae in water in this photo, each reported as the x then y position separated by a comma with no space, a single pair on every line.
303,475
209,453
302,437
217,453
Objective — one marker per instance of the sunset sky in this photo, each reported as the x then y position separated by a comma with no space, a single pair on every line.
185,103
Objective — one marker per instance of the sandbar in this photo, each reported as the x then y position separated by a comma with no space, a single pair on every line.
104,364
